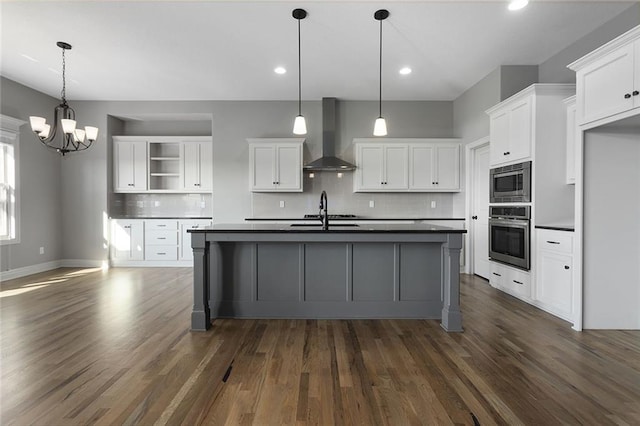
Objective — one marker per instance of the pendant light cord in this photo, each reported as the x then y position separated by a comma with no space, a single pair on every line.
380,98
299,74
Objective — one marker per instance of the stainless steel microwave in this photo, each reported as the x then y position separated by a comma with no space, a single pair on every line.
511,184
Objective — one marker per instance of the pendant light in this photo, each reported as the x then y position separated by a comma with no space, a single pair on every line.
72,139
299,125
380,127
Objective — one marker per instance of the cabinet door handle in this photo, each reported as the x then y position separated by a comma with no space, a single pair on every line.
566,267
636,93
517,282
437,183
496,274
506,153
627,95
162,238
553,242
474,217
162,226
127,226
161,254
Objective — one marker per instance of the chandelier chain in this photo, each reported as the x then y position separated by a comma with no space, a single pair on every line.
64,84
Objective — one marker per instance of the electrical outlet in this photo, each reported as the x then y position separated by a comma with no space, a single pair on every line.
41,250
281,204
433,204
372,203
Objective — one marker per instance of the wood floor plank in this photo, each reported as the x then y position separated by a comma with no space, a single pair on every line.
81,347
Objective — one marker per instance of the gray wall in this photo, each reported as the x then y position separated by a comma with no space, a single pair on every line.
554,70
40,182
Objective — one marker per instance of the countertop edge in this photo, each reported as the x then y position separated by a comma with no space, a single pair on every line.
556,228
252,219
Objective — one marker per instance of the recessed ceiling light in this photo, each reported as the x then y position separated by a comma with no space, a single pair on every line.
518,4
405,71
279,70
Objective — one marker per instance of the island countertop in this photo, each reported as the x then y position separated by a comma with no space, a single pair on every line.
416,228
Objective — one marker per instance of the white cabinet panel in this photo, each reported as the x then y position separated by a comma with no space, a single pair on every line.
510,129
370,164
396,175
608,81
275,165
447,166
197,165
421,171
513,281
130,163
554,272
499,131
605,84
520,123
288,167
127,240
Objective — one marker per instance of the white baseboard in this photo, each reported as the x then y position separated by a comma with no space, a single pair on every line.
48,266
82,263
29,270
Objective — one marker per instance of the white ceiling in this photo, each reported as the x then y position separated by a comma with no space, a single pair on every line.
227,50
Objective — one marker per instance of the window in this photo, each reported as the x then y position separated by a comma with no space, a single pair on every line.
9,196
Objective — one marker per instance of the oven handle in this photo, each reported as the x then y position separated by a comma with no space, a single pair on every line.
509,222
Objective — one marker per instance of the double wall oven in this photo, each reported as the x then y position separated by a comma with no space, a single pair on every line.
509,224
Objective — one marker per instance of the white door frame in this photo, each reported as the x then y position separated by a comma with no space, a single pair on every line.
469,170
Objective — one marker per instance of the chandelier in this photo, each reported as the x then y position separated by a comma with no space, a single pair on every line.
73,139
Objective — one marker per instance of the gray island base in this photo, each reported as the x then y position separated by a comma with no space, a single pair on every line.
365,272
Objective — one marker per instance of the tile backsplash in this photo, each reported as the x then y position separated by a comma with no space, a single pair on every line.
160,205
342,200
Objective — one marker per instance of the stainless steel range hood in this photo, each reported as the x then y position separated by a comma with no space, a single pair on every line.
328,160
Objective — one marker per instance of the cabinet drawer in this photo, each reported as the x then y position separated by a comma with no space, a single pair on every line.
161,224
161,253
557,241
161,238
519,282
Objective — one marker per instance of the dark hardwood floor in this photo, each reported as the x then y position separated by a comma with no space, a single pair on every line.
92,347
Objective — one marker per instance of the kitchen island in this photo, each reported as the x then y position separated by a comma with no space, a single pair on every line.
255,270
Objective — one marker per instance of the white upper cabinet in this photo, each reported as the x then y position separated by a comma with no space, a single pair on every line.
608,80
275,165
130,165
162,163
381,167
434,167
511,130
407,165
197,159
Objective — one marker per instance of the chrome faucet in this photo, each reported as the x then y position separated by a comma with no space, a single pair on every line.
324,217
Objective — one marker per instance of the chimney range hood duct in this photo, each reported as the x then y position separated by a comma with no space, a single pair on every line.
328,161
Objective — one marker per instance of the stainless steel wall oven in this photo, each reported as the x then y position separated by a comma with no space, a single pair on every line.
511,184
509,235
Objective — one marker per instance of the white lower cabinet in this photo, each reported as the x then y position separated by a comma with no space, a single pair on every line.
127,240
186,252
511,280
554,272
161,240
153,242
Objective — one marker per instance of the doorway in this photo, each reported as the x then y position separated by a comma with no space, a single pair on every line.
478,206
